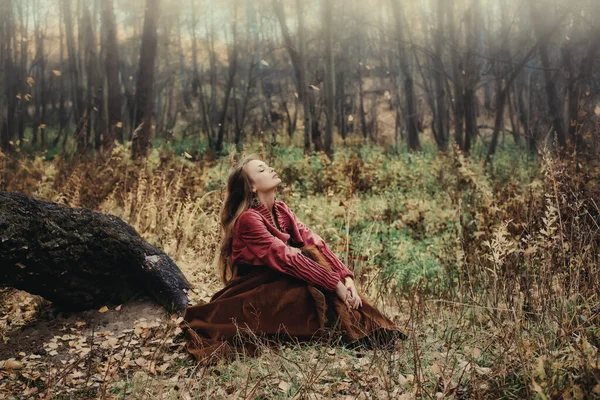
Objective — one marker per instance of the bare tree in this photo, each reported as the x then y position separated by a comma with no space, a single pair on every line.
329,74
145,81
113,129
297,55
410,112
556,111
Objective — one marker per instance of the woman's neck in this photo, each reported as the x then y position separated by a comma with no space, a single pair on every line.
268,199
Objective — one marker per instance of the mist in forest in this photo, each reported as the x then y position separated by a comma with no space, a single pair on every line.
392,72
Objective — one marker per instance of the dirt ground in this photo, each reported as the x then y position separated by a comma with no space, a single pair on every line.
30,338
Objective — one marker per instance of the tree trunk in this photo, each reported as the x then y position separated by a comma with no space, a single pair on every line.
76,91
302,72
40,89
554,107
410,111
111,68
329,75
94,109
145,82
8,129
441,114
80,259
459,108
298,62
22,74
233,60
471,76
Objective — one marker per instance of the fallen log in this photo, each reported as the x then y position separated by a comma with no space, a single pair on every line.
81,259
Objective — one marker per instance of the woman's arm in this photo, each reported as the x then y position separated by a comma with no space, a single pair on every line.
311,238
275,254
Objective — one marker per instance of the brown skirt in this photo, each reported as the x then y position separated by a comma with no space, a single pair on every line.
261,305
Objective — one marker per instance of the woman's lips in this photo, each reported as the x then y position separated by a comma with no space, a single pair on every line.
275,176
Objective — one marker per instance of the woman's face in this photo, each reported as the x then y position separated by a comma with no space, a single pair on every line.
264,178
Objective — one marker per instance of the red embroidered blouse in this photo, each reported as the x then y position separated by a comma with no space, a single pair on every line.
258,241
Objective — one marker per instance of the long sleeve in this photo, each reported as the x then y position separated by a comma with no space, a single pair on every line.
275,254
311,238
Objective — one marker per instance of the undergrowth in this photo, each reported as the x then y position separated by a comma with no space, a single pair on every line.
493,272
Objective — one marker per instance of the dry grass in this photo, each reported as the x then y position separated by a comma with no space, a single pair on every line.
515,320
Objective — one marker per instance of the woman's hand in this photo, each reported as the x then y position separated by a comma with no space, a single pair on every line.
343,294
355,300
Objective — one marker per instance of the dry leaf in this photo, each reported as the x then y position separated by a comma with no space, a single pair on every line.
597,110
284,386
103,309
10,364
56,72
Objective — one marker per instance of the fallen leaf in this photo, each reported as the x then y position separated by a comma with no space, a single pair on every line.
11,364
103,309
284,386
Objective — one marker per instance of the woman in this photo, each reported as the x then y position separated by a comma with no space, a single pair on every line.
282,281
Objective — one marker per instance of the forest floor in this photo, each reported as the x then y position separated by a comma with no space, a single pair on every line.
136,350
492,272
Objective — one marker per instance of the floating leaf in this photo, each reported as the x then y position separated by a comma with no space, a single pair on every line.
30,81
187,155
265,63
119,124
313,87
597,110
103,309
